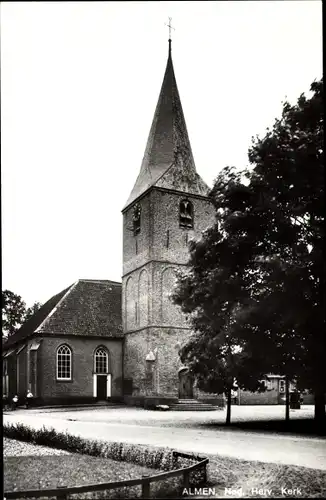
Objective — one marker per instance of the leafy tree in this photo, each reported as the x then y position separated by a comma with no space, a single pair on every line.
212,292
30,311
218,365
289,173
259,268
14,312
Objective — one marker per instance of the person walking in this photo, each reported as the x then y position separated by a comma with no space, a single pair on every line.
14,402
29,398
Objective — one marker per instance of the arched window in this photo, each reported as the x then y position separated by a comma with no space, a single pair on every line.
136,216
186,214
101,360
64,358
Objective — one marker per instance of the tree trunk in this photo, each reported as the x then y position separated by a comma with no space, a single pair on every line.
228,406
320,388
287,400
320,416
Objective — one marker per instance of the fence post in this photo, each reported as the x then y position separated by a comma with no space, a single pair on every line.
186,479
205,474
145,487
174,460
63,495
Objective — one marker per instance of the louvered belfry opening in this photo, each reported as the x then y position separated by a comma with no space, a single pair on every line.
186,214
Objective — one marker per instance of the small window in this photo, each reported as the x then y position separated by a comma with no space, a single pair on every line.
282,385
136,216
64,363
186,214
101,359
149,367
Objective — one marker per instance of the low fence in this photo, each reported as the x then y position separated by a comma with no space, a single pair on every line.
63,493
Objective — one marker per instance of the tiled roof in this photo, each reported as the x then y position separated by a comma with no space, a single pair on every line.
30,326
168,160
88,307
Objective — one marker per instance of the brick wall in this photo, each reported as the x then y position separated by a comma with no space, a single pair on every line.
33,373
149,274
160,237
148,280
22,373
165,368
165,217
82,367
146,298
269,397
131,258
12,376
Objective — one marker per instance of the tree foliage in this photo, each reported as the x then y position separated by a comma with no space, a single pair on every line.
255,277
30,311
14,312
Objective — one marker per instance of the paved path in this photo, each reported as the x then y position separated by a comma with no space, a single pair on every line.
181,431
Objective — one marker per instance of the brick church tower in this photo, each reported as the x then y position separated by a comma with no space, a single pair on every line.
167,206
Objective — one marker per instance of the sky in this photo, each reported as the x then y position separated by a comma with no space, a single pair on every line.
79,86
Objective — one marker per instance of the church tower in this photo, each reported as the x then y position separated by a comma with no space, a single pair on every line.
168,205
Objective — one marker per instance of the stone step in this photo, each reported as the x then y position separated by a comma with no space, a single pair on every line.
193,401
193,404
182,405
192,408
190,401
72,406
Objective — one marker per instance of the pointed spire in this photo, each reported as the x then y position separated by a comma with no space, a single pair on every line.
168,161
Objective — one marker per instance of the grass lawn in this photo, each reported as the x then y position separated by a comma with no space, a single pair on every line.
50,471
43,472
30,472
225,472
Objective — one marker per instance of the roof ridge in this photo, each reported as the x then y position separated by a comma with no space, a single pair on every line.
55,308
89,280
94,309
163,174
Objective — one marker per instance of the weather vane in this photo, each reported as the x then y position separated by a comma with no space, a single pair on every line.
170,27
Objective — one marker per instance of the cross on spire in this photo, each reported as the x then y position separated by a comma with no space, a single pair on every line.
170,27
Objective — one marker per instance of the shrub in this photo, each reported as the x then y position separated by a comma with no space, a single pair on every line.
156,458
151,457
19,431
